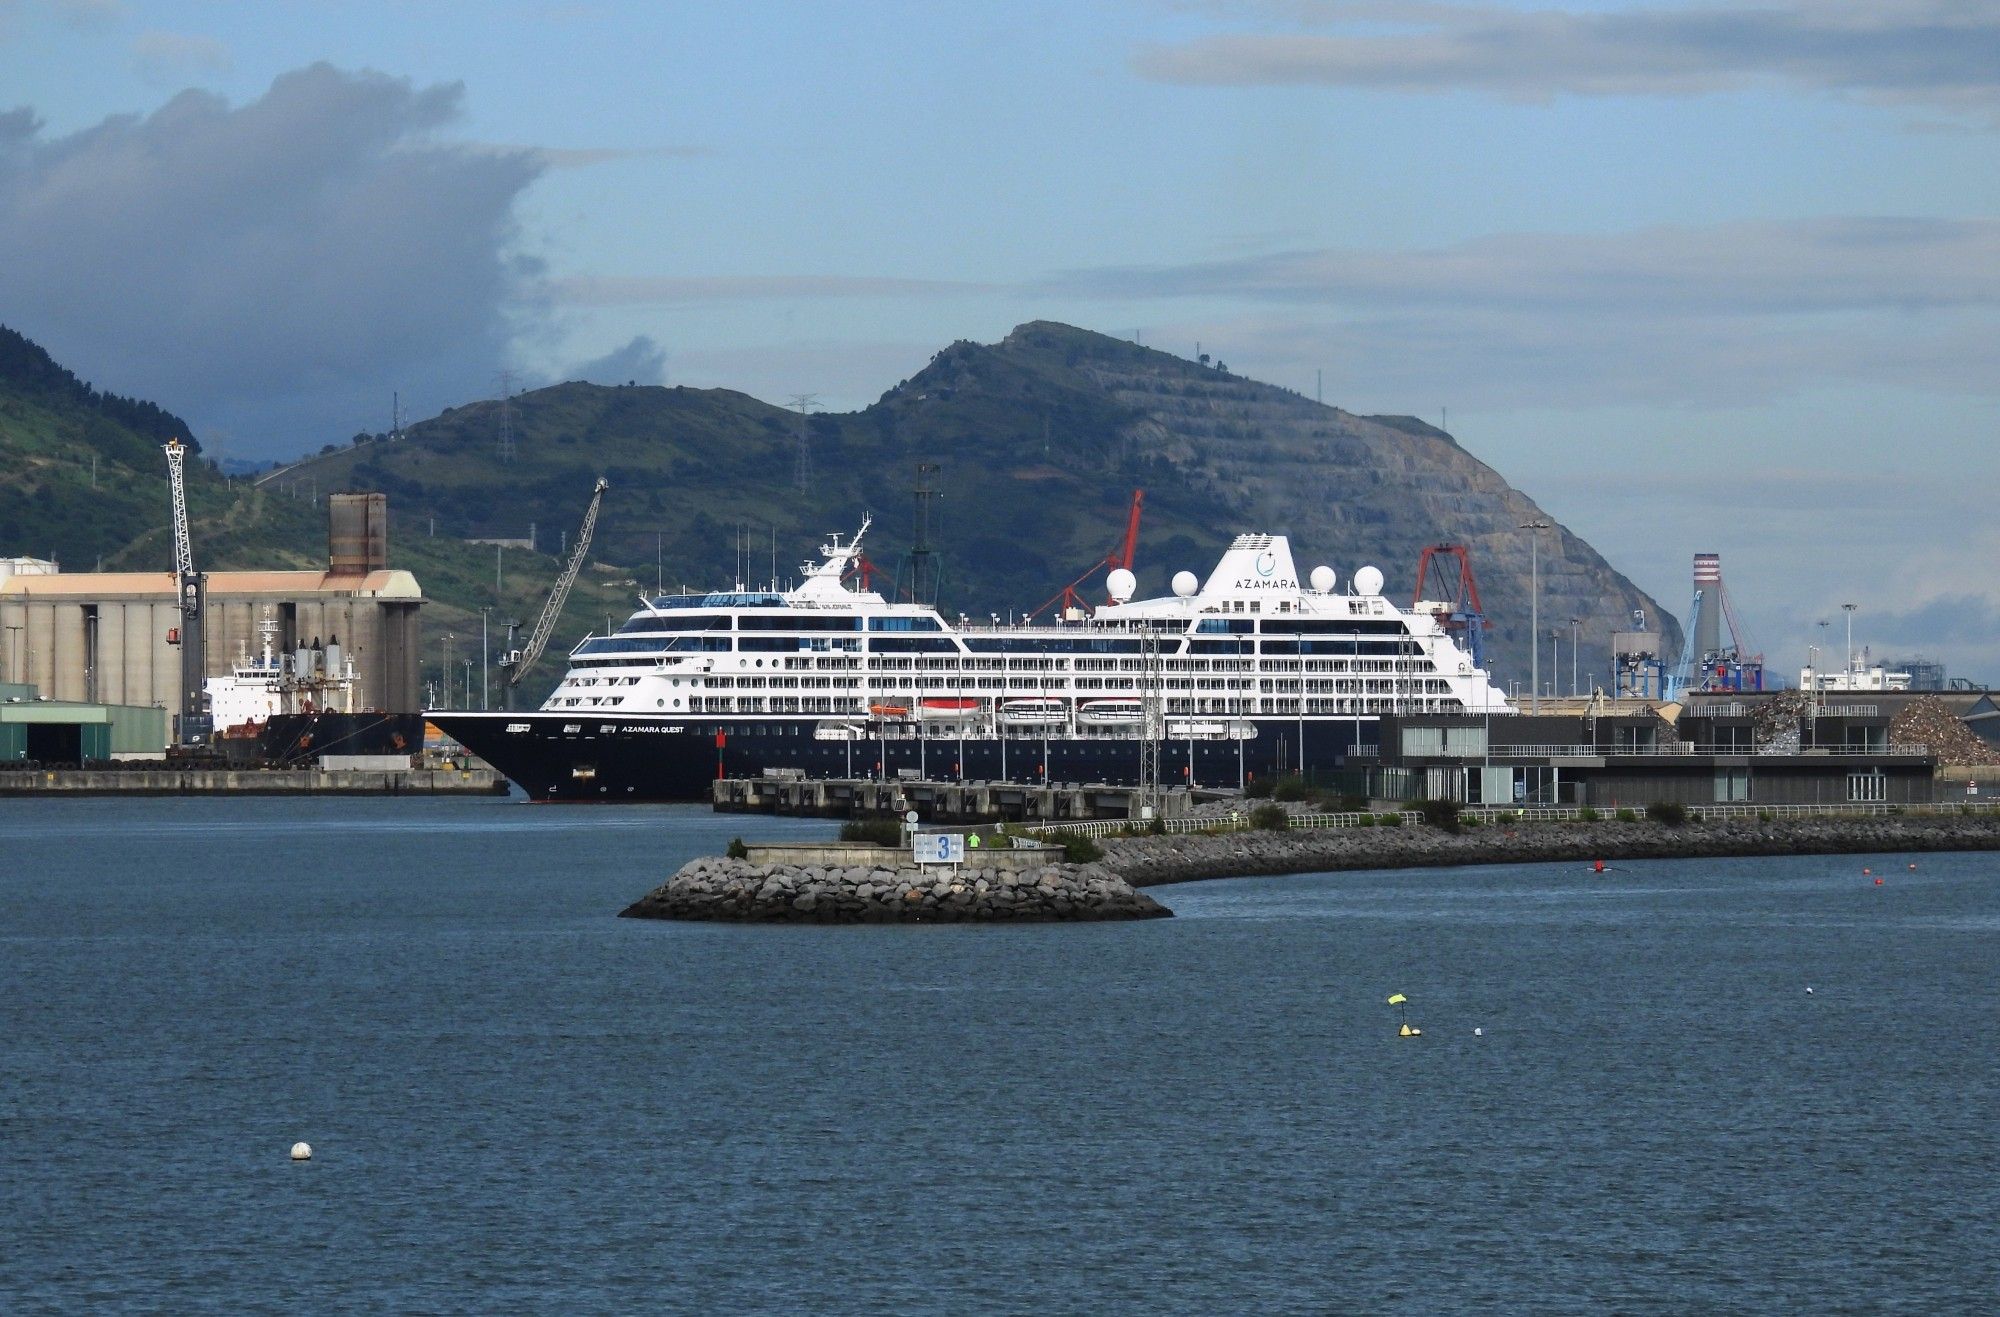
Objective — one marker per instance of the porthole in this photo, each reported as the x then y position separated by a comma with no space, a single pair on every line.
659,704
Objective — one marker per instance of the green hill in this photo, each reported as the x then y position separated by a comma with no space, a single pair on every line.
1040,438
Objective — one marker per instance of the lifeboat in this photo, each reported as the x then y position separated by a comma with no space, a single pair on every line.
946,706
1032,710
889,710
1118,709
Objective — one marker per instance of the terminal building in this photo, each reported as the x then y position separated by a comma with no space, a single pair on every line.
113,637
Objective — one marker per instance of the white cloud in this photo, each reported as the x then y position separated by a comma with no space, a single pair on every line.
270,270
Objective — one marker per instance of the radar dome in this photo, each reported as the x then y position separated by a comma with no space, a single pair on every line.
1185,584
1368,581
1322,578
1121,583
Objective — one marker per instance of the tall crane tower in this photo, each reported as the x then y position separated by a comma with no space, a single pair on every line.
192,721
515,664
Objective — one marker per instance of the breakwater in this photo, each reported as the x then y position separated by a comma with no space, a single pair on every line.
1149,861
890,890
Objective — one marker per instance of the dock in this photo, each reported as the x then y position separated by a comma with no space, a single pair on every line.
169,781
944,802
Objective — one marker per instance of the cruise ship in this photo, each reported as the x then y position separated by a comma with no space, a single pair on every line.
1251,673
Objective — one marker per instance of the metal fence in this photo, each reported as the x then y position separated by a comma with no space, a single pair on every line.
1501,815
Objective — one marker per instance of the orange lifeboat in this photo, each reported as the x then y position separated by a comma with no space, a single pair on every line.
889,710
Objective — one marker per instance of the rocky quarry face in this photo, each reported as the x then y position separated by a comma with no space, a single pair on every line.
739,890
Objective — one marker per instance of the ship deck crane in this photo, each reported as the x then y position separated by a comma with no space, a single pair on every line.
192,726
1067,599
515,664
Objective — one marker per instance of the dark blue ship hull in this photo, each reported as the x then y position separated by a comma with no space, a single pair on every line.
559,756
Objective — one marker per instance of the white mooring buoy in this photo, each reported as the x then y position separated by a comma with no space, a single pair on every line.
302,1152
1478,1033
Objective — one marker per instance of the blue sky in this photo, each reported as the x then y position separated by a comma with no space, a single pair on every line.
1696,276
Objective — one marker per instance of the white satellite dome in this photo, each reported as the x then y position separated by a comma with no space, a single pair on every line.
1185,584
1368,581
1121,583
1323,578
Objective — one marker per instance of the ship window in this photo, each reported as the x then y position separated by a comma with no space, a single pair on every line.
904,624
692,622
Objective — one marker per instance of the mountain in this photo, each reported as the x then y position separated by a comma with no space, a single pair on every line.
1040,439
83,481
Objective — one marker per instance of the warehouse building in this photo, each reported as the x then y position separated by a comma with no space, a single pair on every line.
113,637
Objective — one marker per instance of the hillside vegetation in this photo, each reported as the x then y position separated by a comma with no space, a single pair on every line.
1040,440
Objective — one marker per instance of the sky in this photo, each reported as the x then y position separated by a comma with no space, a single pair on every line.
1695,276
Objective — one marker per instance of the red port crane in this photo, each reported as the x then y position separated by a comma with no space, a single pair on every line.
1466,617
1068,598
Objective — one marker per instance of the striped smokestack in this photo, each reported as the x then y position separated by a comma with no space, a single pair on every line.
1708,580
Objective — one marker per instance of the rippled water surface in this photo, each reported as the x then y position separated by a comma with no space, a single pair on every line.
518,1101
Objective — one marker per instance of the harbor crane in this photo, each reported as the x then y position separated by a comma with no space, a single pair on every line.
192,721
1683,669
1068,600
1461,613
515,664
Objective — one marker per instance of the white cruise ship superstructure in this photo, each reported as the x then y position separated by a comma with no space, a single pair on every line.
1250,672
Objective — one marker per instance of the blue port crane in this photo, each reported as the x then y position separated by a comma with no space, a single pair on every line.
1683,669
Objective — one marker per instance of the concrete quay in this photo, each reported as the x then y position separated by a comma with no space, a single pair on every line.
251,782
942,802
1150,861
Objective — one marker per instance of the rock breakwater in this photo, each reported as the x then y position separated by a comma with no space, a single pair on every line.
1148,861
729,889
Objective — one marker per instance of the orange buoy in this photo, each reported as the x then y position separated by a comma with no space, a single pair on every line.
1878,882
1598,866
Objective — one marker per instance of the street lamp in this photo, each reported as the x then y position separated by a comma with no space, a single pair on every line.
1538,525
1849,610
485,653
1574,623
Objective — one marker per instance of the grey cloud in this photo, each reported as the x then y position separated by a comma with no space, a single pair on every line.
1731,314
1837,264
1936,52
162,57
270,270
597,290
642,361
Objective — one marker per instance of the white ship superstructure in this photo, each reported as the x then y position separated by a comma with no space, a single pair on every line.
1251,642
315,678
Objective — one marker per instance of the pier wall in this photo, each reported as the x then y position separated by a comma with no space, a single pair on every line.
251,782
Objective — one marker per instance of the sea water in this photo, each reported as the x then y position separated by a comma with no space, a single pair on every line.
1623,1097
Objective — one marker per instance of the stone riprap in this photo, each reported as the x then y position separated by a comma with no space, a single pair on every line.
717,888
1148,861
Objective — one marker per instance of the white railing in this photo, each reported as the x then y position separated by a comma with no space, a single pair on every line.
1675,749
1498,815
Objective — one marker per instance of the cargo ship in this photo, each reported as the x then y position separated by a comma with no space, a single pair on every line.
278,708
1252,672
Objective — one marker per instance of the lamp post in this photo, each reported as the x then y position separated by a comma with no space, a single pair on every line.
1537,526
1555,661
485,654
14,649
1849,610
1574,623
444,670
